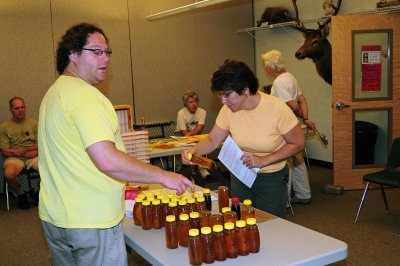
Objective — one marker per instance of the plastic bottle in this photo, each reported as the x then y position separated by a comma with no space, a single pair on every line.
156,194
182,207
217,218
147,219
223,197
191,202
164,208
137,211
148,194
205,218
219,243
171,232
229,216
207,198
236,207
194,250
183,229
248,210
201,204
200,160
230,241
194,219
207,245
195,195
242,238
254,235
173,209
157,214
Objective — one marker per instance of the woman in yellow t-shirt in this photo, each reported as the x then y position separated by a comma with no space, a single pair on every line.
264,128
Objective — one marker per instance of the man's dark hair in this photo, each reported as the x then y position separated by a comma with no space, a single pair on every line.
234,75
73,41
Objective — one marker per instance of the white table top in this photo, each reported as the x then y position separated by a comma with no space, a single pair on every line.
282,243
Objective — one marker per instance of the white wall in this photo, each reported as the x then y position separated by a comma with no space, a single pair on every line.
317,92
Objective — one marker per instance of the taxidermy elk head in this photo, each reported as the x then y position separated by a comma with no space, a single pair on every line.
316,45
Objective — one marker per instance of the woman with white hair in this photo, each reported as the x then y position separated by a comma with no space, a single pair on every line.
285,87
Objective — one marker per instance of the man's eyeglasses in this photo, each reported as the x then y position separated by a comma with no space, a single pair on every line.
99,52
225,95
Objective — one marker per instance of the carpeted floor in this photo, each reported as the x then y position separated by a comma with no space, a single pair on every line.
374,240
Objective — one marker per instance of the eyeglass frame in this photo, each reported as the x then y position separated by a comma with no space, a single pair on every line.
225,95
99,52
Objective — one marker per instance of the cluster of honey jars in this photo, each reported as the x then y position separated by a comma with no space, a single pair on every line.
189,223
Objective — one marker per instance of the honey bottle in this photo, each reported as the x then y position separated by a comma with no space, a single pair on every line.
200,160
156,214
230,241
207,198
183,229
147,218
173,209
194,247
219,243
248,210
201,204
171,232
194,219
223,197
207,245
183,207
191,202
137,211
254,235
235,207
242,238
229,216
164,208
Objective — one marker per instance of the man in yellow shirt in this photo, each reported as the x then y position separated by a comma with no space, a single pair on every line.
82,158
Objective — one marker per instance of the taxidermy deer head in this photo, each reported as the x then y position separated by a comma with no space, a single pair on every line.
316,45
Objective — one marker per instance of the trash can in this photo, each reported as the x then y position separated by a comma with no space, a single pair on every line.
365,140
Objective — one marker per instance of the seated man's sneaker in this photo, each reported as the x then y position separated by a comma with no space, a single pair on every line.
23,203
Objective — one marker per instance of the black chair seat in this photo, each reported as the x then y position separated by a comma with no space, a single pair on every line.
384,177
387,177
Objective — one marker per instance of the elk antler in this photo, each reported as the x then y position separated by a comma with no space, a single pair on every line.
328,3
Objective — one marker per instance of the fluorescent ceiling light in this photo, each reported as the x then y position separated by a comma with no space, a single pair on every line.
184,9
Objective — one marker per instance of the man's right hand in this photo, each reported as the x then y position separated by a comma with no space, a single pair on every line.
177,182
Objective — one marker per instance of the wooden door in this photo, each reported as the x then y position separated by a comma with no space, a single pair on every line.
345,172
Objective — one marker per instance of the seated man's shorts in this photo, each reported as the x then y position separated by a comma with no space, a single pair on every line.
22,162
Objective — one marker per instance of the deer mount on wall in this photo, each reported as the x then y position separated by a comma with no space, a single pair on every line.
316,45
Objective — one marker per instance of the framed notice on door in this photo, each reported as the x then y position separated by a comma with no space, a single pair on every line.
371,68
372,65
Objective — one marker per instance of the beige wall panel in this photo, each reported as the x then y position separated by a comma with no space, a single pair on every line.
112,17
26,56
181,52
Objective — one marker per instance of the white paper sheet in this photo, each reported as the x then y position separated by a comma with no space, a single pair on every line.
230,156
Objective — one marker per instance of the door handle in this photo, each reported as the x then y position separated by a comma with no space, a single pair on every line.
341,105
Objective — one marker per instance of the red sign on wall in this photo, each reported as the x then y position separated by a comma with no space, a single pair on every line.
371,68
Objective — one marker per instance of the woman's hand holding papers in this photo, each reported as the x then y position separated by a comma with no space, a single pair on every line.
252,161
